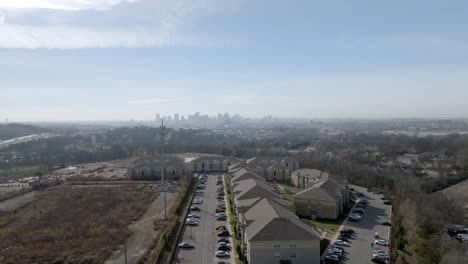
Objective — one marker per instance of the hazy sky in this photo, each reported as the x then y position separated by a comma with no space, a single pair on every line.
122,59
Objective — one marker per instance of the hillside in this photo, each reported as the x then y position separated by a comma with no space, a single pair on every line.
8,131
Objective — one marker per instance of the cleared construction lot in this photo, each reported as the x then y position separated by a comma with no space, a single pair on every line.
73,225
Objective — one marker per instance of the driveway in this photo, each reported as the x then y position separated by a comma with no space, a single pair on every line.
203,236
360,250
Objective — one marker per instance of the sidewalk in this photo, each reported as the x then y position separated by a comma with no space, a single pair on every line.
345,222
231,231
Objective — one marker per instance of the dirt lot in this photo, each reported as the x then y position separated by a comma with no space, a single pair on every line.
71,225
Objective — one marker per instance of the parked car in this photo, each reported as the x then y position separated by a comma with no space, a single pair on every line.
358,211
387,202
224,244
382,242
332,258
221,218
340,242
221,228
186,245
356,215
220,210
381,255
191,222
336,251
379,261
222,254
347,235
220,214
353,219
341,237
223,240
224,233
193,216
348,230
194,208
224,248
386,223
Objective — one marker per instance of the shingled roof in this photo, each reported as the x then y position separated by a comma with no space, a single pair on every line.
270,221
252,188
325,190
244,174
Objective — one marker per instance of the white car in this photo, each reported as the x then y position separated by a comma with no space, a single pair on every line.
191,222
382,242
186,245
193,216
222,254
358,216
224,244
383,256
340,242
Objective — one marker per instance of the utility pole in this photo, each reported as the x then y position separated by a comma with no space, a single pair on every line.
162,176
125,251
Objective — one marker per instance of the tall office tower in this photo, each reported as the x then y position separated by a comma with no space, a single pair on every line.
176,117
158,117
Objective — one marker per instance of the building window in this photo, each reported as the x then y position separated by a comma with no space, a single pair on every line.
293,245
276,245
292,255
277,256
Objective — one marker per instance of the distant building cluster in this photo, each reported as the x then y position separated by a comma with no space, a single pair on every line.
198,119
268,229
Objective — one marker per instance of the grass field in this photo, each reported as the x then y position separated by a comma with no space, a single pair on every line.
232,223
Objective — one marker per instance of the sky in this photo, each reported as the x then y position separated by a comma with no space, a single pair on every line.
80,60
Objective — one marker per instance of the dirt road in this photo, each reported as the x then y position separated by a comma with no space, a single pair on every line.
142,232
12,204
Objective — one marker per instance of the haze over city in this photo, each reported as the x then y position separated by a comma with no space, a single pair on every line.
118,60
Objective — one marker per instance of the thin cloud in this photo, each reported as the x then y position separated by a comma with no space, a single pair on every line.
62,4
35,37
149,101
163,26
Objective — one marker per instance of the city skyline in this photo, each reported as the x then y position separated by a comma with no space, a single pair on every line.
127,59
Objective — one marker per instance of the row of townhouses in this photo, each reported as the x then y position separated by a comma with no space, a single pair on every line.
173,166
267,227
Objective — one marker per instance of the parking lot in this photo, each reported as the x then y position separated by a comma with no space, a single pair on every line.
360,248
204,235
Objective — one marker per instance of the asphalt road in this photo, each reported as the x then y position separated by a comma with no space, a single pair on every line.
360,250
203,236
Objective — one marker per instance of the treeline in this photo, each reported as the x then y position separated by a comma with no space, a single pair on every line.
9,131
